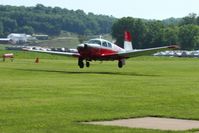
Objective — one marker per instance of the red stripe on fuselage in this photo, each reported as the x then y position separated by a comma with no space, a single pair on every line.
95,53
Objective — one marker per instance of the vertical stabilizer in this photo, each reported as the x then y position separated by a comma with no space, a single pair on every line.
127,41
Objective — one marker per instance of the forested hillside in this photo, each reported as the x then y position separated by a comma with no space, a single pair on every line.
146,33
153,33
51,21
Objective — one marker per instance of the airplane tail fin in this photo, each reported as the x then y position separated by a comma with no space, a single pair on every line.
127,41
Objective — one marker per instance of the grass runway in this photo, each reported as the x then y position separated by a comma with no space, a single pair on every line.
55,95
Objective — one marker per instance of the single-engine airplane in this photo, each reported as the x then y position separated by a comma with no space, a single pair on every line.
102,50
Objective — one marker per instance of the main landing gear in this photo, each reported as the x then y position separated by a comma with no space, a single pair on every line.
81,63
121,63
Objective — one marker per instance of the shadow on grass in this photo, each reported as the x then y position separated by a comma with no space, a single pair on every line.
87,72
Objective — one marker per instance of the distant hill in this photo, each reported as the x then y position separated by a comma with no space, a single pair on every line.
51,21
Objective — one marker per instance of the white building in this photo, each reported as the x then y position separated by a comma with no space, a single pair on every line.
17,38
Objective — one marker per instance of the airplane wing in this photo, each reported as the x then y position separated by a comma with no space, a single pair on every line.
138,52
73,54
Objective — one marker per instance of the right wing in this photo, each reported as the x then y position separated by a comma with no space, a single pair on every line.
73,54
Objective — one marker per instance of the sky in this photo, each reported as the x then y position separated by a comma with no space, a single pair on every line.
147,9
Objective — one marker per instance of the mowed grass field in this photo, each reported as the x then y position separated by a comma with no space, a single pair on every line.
55,95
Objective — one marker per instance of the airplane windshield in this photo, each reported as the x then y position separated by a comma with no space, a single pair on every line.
94,42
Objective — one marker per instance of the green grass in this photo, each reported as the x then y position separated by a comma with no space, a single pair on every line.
31,55
54,95
68,42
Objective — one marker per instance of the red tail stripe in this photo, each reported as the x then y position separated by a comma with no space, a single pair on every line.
127,36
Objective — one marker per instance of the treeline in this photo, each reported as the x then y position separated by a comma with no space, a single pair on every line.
146,33
51,21
153,33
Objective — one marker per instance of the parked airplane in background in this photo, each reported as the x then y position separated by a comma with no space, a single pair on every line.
103,50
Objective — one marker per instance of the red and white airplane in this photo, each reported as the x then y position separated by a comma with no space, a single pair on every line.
102,50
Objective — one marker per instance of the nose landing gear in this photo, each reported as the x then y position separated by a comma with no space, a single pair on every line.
87,64
81,63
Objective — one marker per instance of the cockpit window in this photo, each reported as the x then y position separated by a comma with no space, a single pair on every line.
94,42
109,45
104,44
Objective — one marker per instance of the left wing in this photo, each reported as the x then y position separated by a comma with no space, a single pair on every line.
138,52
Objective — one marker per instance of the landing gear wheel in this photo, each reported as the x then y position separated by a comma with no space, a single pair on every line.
120,64
81,63
87,64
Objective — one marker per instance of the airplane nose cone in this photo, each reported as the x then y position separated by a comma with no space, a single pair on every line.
80,46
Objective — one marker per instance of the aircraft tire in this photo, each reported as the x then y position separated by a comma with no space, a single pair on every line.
81,64
87,64
120,64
